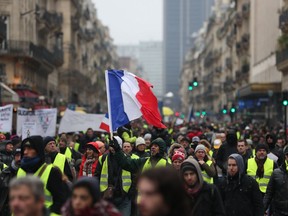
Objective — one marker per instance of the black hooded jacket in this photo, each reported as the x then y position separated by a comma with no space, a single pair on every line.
274,149
55,184
277,191
240,193
225,150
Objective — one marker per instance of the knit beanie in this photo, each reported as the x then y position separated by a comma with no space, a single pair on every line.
200,147
262,146
139,141
47,140
35,142
178,155
147,136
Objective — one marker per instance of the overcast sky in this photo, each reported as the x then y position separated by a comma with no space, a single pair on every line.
131,21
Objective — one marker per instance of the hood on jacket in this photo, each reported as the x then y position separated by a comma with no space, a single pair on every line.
231,138
273,137
239,161
162,145
35,142
172,148
191,163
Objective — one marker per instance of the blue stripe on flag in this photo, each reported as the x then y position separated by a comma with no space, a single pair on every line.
119,117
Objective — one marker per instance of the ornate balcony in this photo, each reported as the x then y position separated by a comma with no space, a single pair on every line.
283,21
246,10
31,51
51,20
238,19
282,60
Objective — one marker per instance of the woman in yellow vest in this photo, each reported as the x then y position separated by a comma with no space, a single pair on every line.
206,164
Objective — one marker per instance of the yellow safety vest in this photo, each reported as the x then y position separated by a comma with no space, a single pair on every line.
59,161
68,153
76,147
126,177
268,170
134,156
238,135
44,177
161,163
206,177
4,166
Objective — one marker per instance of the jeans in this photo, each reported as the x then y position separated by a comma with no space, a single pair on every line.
123,204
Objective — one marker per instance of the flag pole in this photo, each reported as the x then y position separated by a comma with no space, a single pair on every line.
108,104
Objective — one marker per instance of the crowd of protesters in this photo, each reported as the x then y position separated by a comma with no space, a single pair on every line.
190,169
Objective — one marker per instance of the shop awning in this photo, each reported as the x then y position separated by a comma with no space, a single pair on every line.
257,89
26,93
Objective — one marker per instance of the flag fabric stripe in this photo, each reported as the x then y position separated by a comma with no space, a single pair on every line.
105,123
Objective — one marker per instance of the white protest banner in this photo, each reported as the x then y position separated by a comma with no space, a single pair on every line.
29,129
45,120
179,121
73,121
6,116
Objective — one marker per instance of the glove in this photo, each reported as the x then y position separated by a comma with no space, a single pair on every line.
116,143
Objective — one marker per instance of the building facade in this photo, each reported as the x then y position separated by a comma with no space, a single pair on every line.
236,65
58,50
181,20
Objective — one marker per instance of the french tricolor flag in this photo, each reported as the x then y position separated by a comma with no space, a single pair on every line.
105,123
130,97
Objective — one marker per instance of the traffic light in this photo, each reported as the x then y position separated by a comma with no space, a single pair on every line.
285,98
197,114
224,110
204,113
190,86
233,109
195,82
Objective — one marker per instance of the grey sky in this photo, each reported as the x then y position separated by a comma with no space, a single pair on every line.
131,21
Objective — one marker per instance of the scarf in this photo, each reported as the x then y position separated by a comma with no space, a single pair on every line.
28,164
87,168
260,167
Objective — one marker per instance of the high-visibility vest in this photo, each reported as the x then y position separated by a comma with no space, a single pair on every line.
268,170
3,167
59,161
134,156
44,177
161,163
126,177
76,146
206,177
68,153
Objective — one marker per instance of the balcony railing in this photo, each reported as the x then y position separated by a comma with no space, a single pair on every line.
3,29
28,49
245,68
87,34
228,63
75,23
238,19
245,41
52,19
283,21
246,10
281,56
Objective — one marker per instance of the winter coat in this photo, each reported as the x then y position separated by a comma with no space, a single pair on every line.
225,151
240,193
6,157
207,201
277,191
5,177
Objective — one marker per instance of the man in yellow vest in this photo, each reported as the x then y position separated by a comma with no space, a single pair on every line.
69,153
261,167
52,156
157,158
115,182
33,163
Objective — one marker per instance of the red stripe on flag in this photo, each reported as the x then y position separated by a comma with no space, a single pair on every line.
105,127
149,104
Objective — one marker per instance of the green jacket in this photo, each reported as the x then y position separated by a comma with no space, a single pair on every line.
136,165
